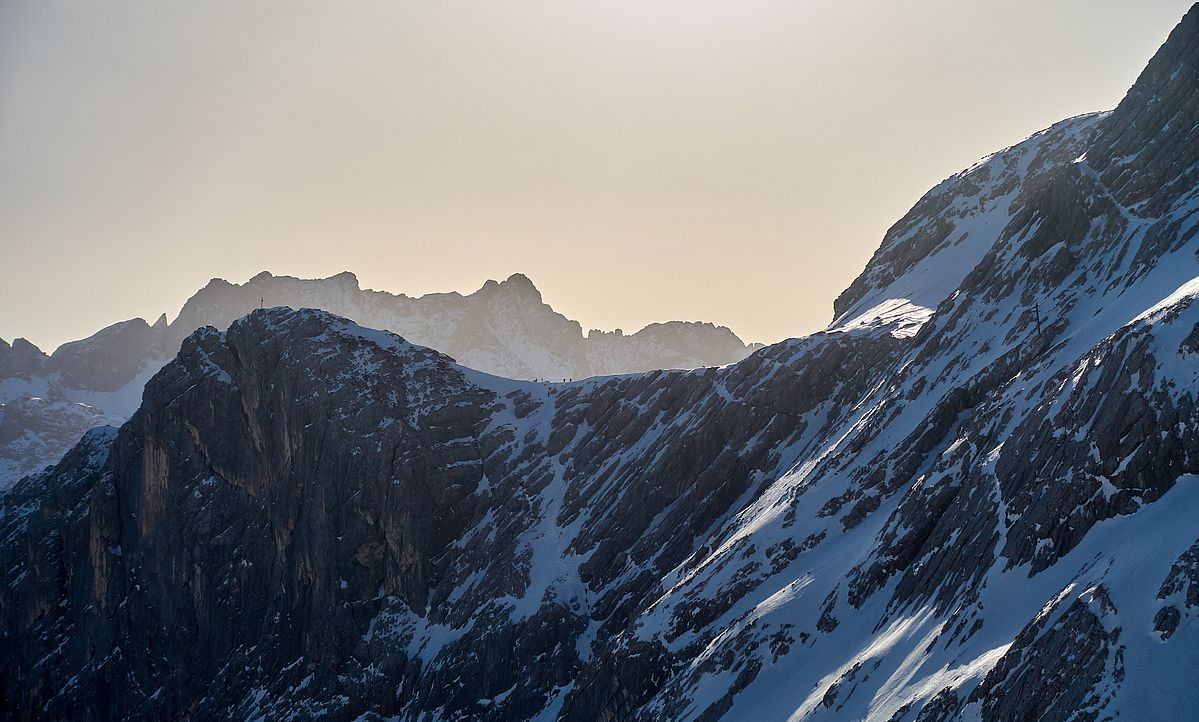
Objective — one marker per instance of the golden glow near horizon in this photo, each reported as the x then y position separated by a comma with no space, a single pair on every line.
735,161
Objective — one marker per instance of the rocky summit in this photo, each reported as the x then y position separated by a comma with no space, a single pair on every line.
971,497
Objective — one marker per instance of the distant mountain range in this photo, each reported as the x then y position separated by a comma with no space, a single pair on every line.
505,328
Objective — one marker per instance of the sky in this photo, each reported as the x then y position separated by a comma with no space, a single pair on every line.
735,161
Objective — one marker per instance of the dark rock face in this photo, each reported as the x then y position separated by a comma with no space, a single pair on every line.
40,521
1104,434
1180,591
962,502
1149,152
1031,681
329,494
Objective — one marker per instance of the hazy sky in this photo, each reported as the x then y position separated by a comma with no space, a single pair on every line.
728,160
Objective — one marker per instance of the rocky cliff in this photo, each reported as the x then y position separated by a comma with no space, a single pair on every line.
970,498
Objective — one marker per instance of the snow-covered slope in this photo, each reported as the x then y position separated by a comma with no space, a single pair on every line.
34,429
48,402
503,328
972,507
